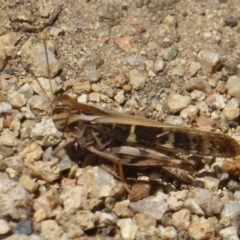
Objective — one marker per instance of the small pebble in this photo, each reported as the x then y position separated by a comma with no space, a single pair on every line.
174,204
109,202
237,195
231,210
128,228
181,219
28,183
209,61
202,229
85,219
229,233
198,84
103,219
46,133
45,171
91,73
231,21
78,87
178,71
190,111
120,97
16,200
144,220
83,98
159,65
170,21
4,227
193,206
34,58
73,198
216,101
168,232
233,186
176,102
174,120
5,107
233,86
231,110
139,191
94,97
7,47
211,184
194,68
8,138
23,227
169,54
221,87
209,203
137,79
150,206
125,43
136,61
40,215
51,230
17,100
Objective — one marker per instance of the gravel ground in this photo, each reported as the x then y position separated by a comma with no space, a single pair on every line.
172,61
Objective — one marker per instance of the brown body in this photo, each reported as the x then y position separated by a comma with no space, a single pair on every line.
137,131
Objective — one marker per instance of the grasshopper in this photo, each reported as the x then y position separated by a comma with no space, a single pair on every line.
142,142
129,140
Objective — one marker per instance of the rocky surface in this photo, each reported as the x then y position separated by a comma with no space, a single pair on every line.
171,61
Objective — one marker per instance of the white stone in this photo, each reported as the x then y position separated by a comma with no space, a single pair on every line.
51,230
100,183
137,79
220,102
198,95
228,232
176,102
85,219
7,47
73,198
194,68
178,71
16,200
190,111
128,228
17,100
120,97
181,220
168,232
31,153
211,184
34,58
174,204
231,210
5,107
231,110
174,120
45,171
4,227
233,86
46,133
83,98
209,60
8,138
202,229
159,65
193,206
94,97
105,219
